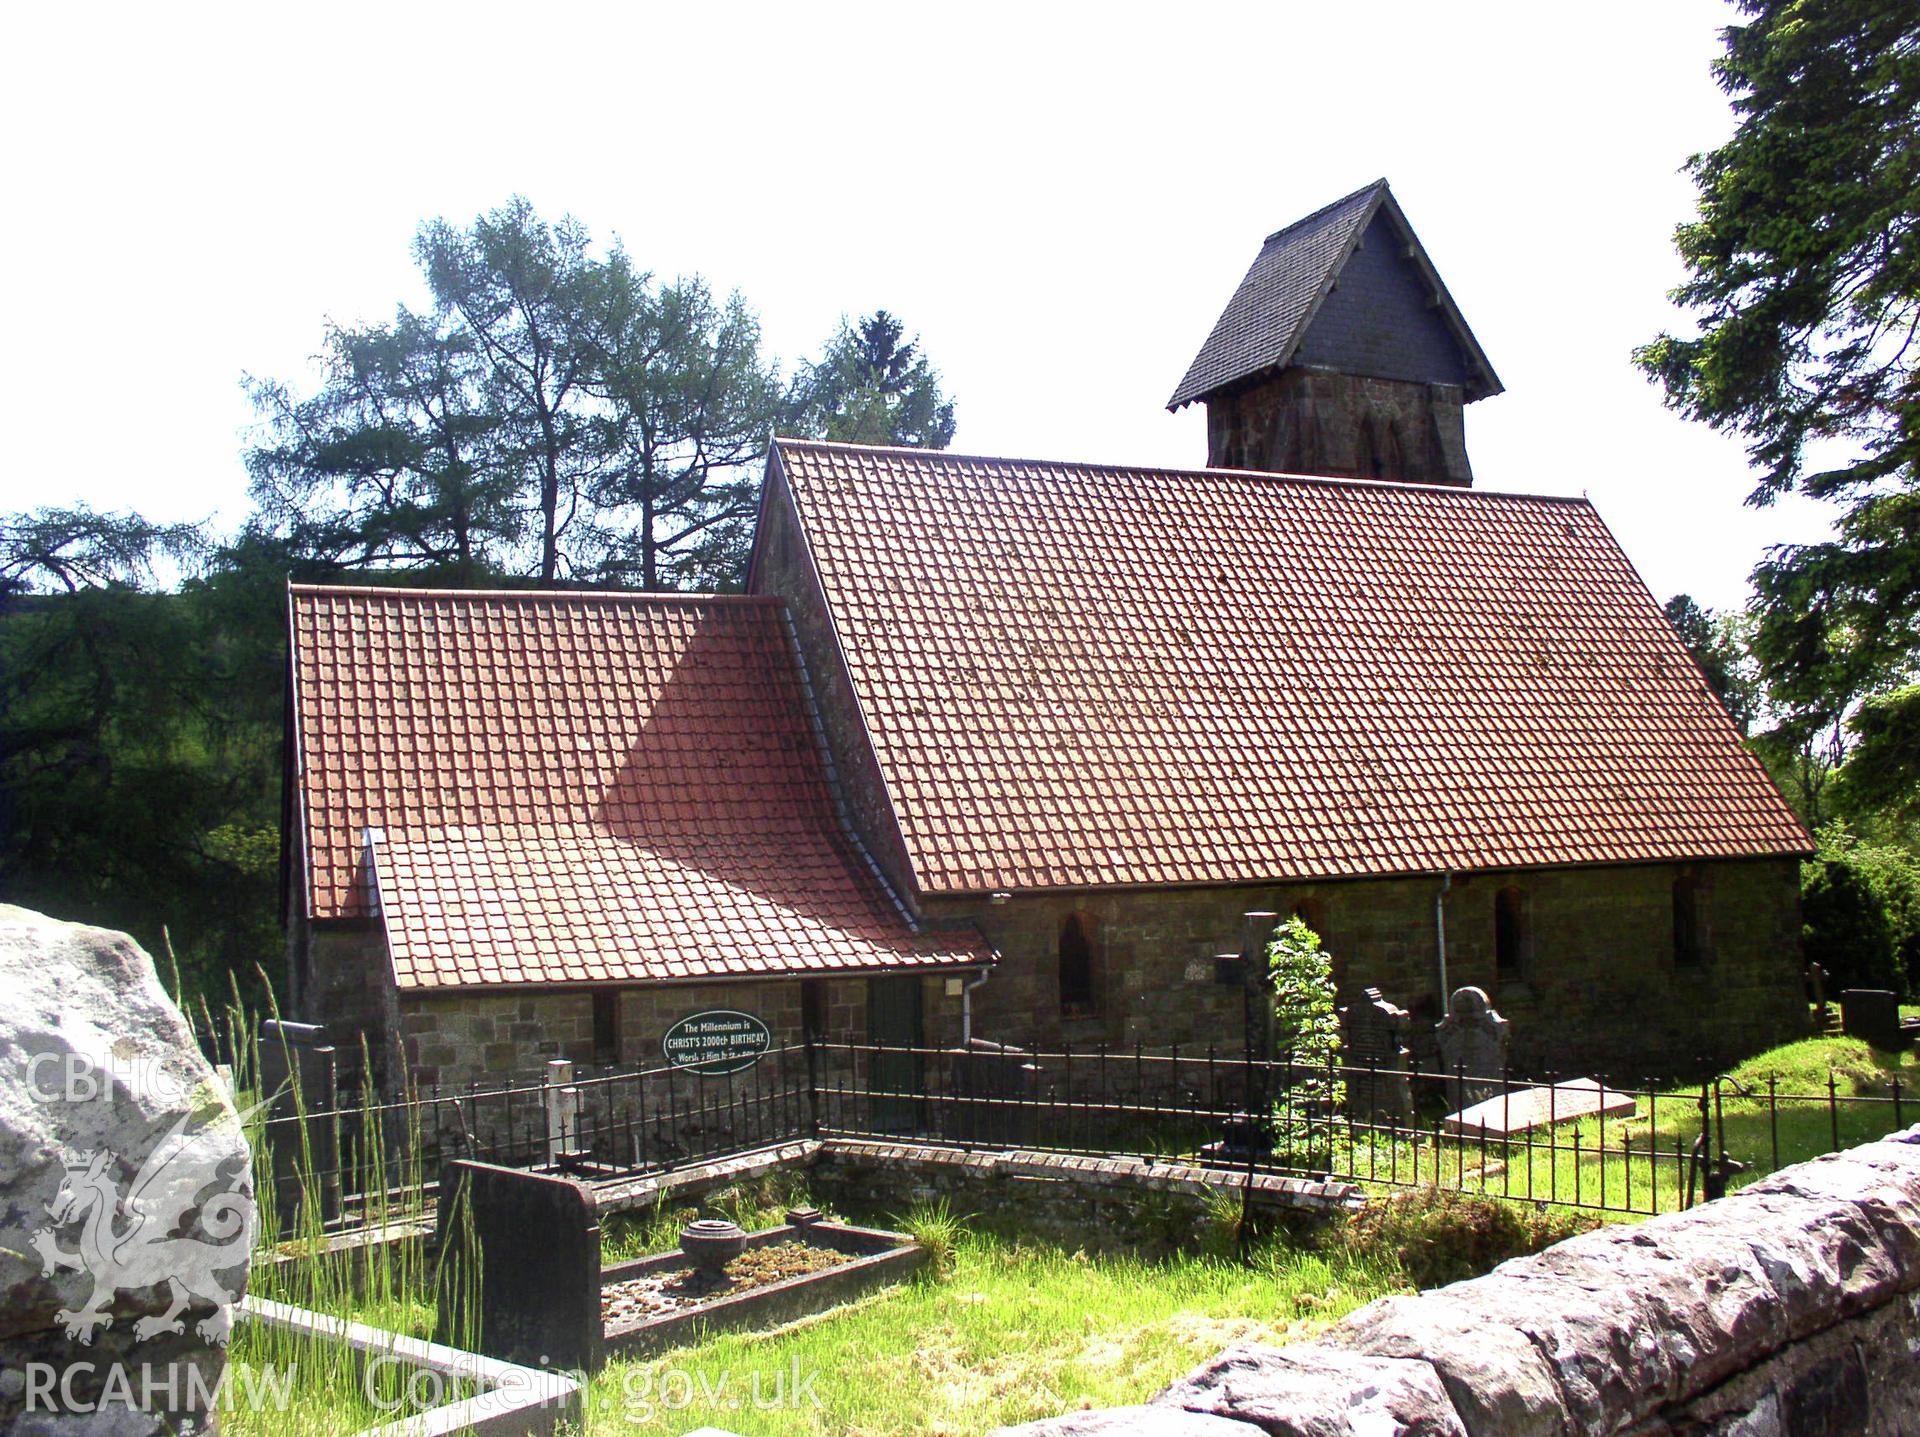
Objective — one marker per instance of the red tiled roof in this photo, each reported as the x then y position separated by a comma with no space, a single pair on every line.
1079,675
578,788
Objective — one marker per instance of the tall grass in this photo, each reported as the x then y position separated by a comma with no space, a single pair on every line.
399,1285
1016,1331
938,1229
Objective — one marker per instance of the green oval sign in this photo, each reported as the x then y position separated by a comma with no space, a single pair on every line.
717,1041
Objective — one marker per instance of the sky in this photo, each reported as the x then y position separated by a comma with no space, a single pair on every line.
1058,199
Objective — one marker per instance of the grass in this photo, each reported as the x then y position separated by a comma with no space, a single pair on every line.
285,1384
762,1202
1002,1330
994,1331
939,1230
327,1392
1013,1332
390,1287
1632,1164
1806,1125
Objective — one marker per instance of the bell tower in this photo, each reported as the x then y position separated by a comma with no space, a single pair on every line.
1342,354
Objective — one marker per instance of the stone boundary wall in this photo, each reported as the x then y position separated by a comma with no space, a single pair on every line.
1076,1197
1791,1307
1121,1201
1081,1198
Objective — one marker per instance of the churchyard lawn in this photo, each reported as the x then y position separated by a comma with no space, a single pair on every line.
1009,1331
1785,1106
1010,1328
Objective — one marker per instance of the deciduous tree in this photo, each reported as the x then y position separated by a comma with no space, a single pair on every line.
1719,647
525,295
139,742
559,416
54,550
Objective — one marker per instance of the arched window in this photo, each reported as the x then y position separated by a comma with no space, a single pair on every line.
1689,921
1076,967
1509,933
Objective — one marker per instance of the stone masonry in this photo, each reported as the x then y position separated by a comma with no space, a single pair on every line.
1788,1309
1122,1203
1597,990
490,1037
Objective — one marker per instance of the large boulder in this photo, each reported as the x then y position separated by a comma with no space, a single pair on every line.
126,1195
1314,1390
1130,1422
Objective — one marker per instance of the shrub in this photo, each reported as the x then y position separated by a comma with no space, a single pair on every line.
1860,907
1436,1236
1306,1029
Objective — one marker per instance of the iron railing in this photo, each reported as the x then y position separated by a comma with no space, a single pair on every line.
1605,1148
354,1159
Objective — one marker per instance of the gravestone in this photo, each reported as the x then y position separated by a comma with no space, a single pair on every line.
1378,1089
300,1076
538,1238
1873,1014
1473,1048
993,1092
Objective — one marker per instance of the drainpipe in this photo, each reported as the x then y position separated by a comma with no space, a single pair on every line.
1440,932
966,1006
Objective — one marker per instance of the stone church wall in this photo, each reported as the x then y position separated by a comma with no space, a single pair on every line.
1597,989
510,1034
498,1037
1789,1308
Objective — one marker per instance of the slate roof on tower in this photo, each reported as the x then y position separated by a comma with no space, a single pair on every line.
1080,675
1273,313
578,788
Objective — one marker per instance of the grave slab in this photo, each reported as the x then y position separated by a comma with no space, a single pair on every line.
1528,1108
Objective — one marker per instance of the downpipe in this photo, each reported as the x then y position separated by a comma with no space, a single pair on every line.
966,1006
1440,933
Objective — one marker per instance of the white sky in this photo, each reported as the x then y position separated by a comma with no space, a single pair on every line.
1060,200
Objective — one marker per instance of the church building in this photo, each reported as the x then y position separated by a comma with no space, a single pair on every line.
1007,749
